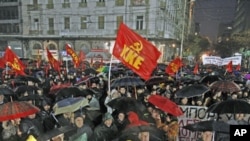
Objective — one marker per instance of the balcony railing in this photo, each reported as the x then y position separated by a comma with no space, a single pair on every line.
34,7
100,4
66,5
50,6
83,4
51,32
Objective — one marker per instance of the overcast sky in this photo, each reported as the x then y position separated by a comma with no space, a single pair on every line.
209,13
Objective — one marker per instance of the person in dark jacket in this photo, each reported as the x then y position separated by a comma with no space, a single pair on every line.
107,130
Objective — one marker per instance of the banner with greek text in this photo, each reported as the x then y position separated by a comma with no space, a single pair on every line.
215,60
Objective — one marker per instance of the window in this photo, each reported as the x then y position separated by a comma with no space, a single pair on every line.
101,0
66,23
101,22
36,24
50,4
119,3
139,22
66,4
83,1
37,46
119,19
51,24
35,2
84,22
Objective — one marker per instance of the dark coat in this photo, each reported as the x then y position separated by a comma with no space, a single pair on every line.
104,133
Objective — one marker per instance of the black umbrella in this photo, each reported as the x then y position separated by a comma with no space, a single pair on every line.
209,125
67,92
89,71
28,78
127,104
192,91
24,88
155,134
210,79
158,79
127,81
232,106
6,90
55,132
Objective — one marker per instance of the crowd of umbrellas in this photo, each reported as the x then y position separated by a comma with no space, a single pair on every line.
67,97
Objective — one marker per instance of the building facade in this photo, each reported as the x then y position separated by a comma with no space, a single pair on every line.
91,24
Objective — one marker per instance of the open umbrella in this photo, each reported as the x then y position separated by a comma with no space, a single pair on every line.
157,80
16,109
232,106
6,90
209,125
56,88
127,81
24,88
225,86
28,78
165,105
89,71
127,104
247,76
210,79
71,104
67,92
155,134
55,132
192,91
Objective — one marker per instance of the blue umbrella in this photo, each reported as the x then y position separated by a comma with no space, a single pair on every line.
71,104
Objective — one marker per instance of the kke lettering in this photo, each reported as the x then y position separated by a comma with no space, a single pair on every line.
131,55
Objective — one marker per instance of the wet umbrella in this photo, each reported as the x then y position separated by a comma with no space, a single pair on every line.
157,80
127,104
28,78
210,79
6,90
165,105
89,71
192,91
127,81
232,106
56,88
55,132
155,134
24,88
71,104
225,86
247,76
67,92
16,109
209,125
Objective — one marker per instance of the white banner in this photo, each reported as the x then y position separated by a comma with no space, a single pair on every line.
215,60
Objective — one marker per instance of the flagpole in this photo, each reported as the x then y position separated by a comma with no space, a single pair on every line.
110,65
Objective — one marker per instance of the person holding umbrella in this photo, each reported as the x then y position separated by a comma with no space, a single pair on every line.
10,130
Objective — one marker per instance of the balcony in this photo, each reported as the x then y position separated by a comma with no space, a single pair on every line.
34,7
162,5
100,4
50,6
83,4
34,32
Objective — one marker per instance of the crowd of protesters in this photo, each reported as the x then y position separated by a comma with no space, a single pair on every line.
109,124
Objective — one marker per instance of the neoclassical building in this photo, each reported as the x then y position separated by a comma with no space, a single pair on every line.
93,24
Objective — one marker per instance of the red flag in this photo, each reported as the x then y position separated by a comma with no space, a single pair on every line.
135,52
12,59
73,55
238,67
174,66
53,62
230,67
81,56
196,69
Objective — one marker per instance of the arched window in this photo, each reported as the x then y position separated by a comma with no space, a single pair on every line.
37,46
52,47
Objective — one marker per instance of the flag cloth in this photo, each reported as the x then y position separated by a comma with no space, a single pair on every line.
196,69
104,69
230,67
2,63
73,55
81,56
12,60
174,66
238,67
53,62
135,52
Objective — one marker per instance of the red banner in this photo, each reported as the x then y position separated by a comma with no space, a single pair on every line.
230,67
174,66
53,62
73,55
12,59
135,52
